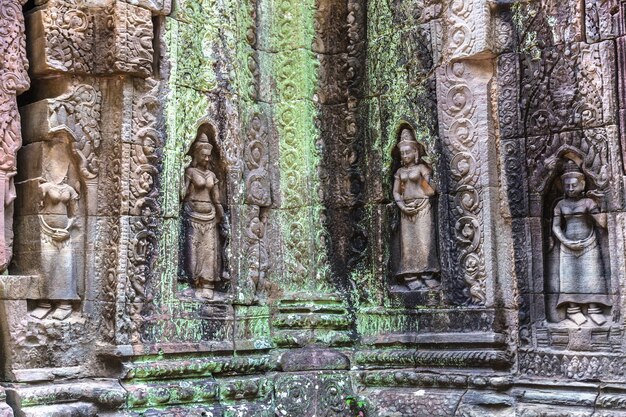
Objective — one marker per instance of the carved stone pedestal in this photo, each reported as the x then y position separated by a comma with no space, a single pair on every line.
584,338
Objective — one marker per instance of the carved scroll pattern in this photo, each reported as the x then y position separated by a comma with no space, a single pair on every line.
13,80
253,56
142,254
458,128
142,170
340,43
356,22
108,264
462,34
258,190
295,192
508,104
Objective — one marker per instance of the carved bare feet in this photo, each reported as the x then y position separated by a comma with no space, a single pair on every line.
578,318
414,283
42,310
595,314
574,313
431,282
205,293
598,319
63,311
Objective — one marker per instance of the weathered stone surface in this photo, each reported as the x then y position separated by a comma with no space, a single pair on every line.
312,208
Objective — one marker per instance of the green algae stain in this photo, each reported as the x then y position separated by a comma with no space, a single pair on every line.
374,322
294,70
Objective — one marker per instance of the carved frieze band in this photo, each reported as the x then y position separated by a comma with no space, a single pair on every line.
573,366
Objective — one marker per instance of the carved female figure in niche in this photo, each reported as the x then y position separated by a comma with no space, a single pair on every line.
57,213
413,192
203,212
581,272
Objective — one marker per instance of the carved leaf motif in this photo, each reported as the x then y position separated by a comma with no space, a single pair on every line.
68,36
258,187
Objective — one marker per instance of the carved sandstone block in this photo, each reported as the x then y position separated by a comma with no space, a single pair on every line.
130,38
69,37
469,33
601,20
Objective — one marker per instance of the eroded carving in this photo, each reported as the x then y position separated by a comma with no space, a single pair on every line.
59,205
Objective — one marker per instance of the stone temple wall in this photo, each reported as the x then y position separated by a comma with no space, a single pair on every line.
301,208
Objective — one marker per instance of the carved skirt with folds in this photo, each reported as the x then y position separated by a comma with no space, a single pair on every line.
418,240
61,283
581,274
202,247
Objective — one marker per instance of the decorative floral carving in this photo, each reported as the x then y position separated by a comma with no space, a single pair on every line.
566,89
543,153
258,189
13,81
145,158
142,254
80,38
295,396
108,264
131,39
68,33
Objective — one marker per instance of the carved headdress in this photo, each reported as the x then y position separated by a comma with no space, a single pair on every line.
201,142
407,137
572,170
